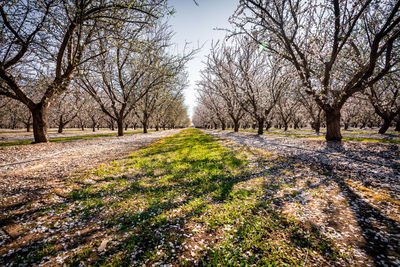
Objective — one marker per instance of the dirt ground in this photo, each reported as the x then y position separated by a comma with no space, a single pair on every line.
30,172
353,194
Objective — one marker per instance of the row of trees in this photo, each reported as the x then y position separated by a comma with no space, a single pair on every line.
68,111
335,59
110,55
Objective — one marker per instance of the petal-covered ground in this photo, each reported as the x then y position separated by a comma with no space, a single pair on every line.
196,199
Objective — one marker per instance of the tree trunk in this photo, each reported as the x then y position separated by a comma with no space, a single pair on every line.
82,127
286,127
60,127
144,127
28,127
93,127
260,126
120,124
333,125
223,126
236,126
268,125
40,123
385,126
397,129
157,128
346,125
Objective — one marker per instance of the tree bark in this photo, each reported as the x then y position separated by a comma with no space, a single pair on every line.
120,124
260,126
268,125
223,126
40,123
60,124
60,128
333,125
144,127
157,128
397,129
236,126
385,126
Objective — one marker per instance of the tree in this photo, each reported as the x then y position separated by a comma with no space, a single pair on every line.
66,108
336,46
287,107
220,74
43,42
213,102
133,66
263,79
384,97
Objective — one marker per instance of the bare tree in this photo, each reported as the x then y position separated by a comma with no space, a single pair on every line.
335,46
384,96
220,74
43,42
66,108
264,79
128,71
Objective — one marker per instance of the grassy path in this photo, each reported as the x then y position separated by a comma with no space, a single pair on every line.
187,199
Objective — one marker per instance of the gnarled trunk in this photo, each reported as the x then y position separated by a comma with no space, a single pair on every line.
236,126
223,126
268,125
144,126
397,129
120,124
60,124
40,123
333,125
385,126
60,128
260,126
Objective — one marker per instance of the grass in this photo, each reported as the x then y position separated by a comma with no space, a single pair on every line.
187,199
64,139
357,139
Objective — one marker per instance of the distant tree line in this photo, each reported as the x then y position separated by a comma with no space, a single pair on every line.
89,64
298,63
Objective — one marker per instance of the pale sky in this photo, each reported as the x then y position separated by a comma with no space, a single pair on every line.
195,24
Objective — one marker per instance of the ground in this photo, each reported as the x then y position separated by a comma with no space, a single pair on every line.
200,198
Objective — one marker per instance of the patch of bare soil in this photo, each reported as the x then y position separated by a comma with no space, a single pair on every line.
349,191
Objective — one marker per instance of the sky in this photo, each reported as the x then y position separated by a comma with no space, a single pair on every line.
195,25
